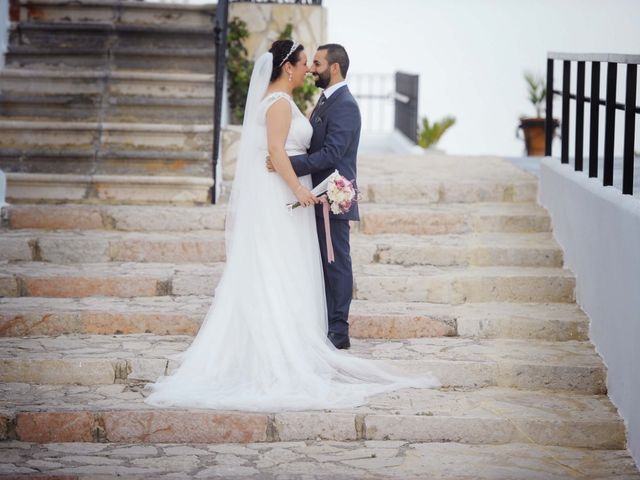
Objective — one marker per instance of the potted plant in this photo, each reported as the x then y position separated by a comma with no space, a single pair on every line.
533,127
429,134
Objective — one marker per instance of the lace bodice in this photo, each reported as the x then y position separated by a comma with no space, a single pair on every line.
300,133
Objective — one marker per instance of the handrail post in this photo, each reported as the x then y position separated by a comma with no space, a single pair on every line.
222,13
610,123
629,129
566,92
548,122
579,117
594,119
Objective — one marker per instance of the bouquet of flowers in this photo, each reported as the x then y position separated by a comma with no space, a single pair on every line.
340,193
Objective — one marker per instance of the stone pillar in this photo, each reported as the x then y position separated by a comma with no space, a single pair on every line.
266,22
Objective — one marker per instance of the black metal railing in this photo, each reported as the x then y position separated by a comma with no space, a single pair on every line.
629,107
387,101
406,103
220,31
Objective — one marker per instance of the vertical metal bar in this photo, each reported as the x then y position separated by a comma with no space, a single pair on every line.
579,117
594,119
548,123
566,91
220,30
629,129
610,123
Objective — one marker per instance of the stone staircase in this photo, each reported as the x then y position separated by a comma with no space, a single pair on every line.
108,101
457,272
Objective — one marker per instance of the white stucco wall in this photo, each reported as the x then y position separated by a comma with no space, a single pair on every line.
599,231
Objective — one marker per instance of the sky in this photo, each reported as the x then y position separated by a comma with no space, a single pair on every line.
471,54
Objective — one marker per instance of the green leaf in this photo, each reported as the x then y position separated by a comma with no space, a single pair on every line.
430,134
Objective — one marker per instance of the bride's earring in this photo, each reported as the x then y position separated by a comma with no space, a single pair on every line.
290,78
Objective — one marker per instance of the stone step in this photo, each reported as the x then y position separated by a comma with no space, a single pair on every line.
355,459
114,83
481,249
424,191
118,12
457,362
165,315
188,60
125,218
104,162
116,413
441,219
114,189
455,285
108,37
456,218
124,276
436,178
73,246
109,136
94,107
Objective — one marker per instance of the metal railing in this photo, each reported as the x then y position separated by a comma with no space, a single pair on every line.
220,32
611,105
387,102
374,92
406,103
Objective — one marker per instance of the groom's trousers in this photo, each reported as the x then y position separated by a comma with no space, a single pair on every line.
338,276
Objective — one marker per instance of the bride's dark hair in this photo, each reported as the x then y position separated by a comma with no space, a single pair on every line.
280,49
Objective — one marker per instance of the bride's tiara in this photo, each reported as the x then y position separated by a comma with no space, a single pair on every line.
293,49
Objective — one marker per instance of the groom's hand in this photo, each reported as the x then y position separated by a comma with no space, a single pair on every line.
270,165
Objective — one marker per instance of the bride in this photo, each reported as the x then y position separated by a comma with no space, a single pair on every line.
263,343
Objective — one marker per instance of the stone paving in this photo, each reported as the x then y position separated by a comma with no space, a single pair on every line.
99,359
491,415
317,459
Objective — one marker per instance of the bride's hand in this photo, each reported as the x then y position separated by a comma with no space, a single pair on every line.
305,197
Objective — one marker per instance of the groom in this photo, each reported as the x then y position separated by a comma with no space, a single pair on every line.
334,145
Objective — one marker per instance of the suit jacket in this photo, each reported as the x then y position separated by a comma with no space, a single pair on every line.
334,144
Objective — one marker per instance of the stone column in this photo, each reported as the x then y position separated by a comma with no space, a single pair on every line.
266,22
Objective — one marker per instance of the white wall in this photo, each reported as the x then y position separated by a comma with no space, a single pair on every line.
599,231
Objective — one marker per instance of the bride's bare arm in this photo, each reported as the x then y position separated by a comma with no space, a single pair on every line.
278,125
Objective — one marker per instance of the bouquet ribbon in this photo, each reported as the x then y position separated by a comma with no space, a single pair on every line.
327,228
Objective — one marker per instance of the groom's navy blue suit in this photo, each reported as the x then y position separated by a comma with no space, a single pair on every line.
334,145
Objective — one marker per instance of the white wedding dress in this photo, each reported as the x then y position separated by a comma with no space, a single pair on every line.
263,344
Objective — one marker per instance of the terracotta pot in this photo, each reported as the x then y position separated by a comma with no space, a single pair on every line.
534,136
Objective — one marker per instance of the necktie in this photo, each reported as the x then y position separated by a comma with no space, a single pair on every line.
321,101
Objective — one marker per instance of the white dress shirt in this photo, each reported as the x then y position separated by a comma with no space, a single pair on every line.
331,90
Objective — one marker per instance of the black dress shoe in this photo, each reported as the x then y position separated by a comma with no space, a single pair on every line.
340,341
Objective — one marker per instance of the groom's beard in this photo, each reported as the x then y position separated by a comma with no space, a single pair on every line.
323,79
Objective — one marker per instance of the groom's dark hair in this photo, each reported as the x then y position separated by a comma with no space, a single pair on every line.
337,54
